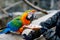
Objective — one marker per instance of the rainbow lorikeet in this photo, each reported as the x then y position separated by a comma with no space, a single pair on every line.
17,23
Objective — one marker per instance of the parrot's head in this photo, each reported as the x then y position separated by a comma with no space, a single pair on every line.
28,16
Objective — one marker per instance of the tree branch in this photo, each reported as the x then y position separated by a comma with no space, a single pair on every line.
35,7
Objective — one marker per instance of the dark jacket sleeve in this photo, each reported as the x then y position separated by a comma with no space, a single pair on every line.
50,22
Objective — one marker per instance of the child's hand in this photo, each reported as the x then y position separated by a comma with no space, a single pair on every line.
34,27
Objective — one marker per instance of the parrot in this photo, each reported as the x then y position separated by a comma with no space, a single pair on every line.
17,23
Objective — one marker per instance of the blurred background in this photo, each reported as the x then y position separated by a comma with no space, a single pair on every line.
45,4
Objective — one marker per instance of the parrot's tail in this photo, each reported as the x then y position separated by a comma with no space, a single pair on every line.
4,31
